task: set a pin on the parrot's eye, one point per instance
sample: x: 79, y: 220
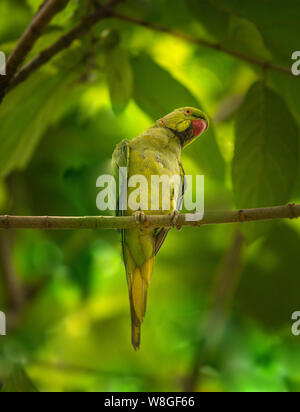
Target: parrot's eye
x: 188, y: 112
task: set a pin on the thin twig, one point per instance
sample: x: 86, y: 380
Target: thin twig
x: 33, y: 32
x: 205, y: 43
x: 62, y: 43
x: 108, y: 222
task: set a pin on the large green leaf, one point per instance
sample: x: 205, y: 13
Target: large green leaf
x: 265, y: 163
x: 289, y: 89
x: 118, y: 70
x: 277, y: 20
x: 229, y: 29
x: 158, y: 93
x: 28, y: 111
x: 18, y: 382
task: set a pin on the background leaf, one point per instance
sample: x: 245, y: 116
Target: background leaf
x: 118, y: 70
x: 265, y: 163
x: 18, y: 381
x: 119, y: 77
x: 23, y: 125
x: 229, y: 29
x: 276, y: 19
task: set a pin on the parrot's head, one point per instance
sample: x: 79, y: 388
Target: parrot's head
x: 186, y: 123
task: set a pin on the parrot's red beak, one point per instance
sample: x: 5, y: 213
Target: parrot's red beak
x: 199, y: 126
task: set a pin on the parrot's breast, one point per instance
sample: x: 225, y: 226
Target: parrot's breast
x: 148, y: 159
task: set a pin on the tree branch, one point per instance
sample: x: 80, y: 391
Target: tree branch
x: 33, y: 32
x: 62, y: 43
x: 290, y: 211
x: 265, y: 65
x: 105, y: 12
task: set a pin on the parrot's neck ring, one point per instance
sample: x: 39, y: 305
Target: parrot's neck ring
x: 185, y: 136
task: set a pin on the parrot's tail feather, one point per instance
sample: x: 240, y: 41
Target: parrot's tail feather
x: 138, y: 299
x: 147, y: 270
x: 136, y: 335
x: 138, y: 294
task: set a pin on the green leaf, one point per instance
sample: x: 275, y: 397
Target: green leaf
x: 23, y: 125
x: 265, y: 163
x: 28, y: 111
x: 289, y: 89
x: 18, y: 381
x: 119, y: 77
x: 158, y: 93
x: 277, y: 20
x: 215, y: 21
x: 230, y: 30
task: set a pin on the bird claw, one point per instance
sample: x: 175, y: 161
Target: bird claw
x: 174, y: 220
x: 140, y: 217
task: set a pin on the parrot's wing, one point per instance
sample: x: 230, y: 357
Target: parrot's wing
x: 183, y: 187
x: 163, y: 233
x: 121, y: 158
x: 136, y: 276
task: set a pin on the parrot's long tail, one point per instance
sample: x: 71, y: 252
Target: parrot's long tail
x: 138, y: 288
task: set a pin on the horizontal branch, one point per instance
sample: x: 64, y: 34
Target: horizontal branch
x: 265, y: 65
x: 62, y: 43
x: 108, y: 222
x: 33, y: 32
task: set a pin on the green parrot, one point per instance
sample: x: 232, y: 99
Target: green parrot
x: 156, y: 152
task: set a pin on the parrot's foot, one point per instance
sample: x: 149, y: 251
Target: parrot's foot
x: 174, y: 219
x: 140, y: 217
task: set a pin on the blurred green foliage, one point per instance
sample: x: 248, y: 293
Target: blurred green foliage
x: 58, y: 131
